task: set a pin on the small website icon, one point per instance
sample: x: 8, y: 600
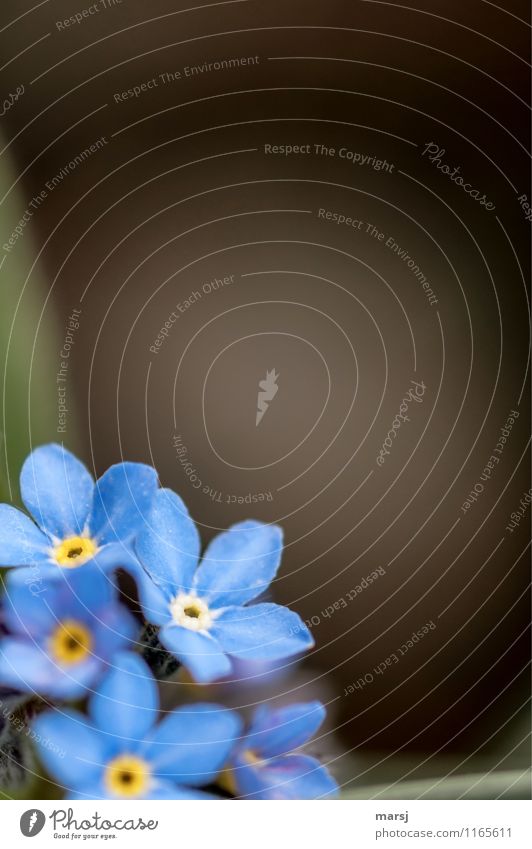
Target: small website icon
x: 32, y: 822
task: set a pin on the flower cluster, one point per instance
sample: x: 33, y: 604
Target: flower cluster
x: 69, y: 633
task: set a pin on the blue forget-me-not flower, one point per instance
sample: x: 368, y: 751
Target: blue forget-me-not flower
x: 63, y: 640
x: 263, y: 764
x: 121, y: 752
x: 76, y: 520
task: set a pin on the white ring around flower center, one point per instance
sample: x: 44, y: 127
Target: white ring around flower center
x: 191, y: 612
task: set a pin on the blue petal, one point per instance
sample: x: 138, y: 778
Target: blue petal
x: 261, y: 632
x: 89, y: 589
x: 71, y: 750
x: 275, y: 731
x: 286, y: 777
x: 29, y: 668
x: 239, y: 564
x: 199, y: 652
x: 122, y: 499
x: 158, y: 790
x: 57, y: 490
x: 23, y: 666
x: 127, y: 702
x: 27, y: 612
x: 81, y: 594
x: 38, y: 578
x: 112, y: 556
x: 115, y: 630
x: 78, y: 594
x: 96, y: 791
x: 72, y: 682
x: 21, y: 541
x: 167, y: 790
x: 169, y: 546
x: 192, y: 743
x: 154, y: 602
x: 107, y: 559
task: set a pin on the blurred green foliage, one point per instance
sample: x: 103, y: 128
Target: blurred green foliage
x: 503, y: 784
x: 29, y: 341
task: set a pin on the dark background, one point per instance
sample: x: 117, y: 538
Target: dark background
x: 183, y: 193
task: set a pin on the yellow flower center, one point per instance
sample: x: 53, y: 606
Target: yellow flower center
x: 251, y: 758
x: 70, y: 642
x: 127, y: 776
x: 75, y: 551
x: 227, y: 779
x: 191, y: 612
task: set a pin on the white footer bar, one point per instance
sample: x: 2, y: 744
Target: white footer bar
x: 268, y: 825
